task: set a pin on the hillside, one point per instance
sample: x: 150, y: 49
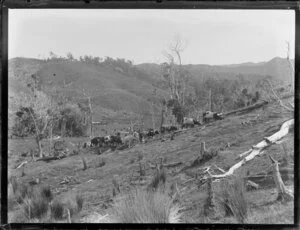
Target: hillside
x: 95, y: 183
x: 112, y: 91
x: 117, y: 96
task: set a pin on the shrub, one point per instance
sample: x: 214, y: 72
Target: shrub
x: 145, y: 207
x: 232, y: 198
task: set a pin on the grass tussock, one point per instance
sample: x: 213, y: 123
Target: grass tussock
x: 46, y: 193
x: 277, y: 213
x: 209, y: 154
x: 57, y: 210
x: 100, y: 163
x: 142, y: 206
x: 13, y: 181
x: 232, y: 198
x: 74, y: 203
x: 18, y: 193
x: 37, y: 205
x: 158, y: 180
x: 140, y: 156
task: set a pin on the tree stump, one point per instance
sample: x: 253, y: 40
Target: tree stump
x: 286, y: 156
x: 202, y: 150
x: 210, y: 202
x: 284, y: 194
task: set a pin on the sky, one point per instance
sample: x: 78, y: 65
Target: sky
x: 214, y: 37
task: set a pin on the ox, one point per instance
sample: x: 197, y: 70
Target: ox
x: 208, y: 116
x: 97, y: 141
x: 129, y: 140
x: 189, y: 122
x: 87, y: 144
x: 116, y: 139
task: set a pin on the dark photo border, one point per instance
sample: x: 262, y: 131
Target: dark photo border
x: 159, y: 4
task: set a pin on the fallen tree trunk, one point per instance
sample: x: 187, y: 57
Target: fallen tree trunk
x: 247, y: 109
x: 20, y: 165
x: 50, y: 158
x: 287, y: 95
x: 174, y: 164
x: 256, y: 150
x: 251, y: 185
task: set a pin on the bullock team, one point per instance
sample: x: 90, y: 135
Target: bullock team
x: 119, y: 141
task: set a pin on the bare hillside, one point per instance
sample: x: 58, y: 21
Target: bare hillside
x: 228, y: 137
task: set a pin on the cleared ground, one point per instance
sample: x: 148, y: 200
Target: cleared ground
x: 95, y: 183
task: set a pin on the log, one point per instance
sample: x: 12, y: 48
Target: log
x: 50, y: 158
x: 245, y: 153
x: 174, y: 164
x: 250, y: 184
x: 257, y: 149
x: 247, y: 109
x: 284, y: 194
x: 221, y: 170
x: 20, y: 165
x: 288, y: 95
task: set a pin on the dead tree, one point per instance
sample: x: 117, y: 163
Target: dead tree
x: 209, y: 101
x: 41, y: 108
x: 284, y: 194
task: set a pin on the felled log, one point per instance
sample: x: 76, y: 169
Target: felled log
x: 284, y: 194
x: 245, y: 153
x: 50, y: 158
x: 20, y: 165
x: 287, y: 95
x: 251, y: 185
x: 174, y: 164
x: 247, y: 109
x: 257, y: 149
